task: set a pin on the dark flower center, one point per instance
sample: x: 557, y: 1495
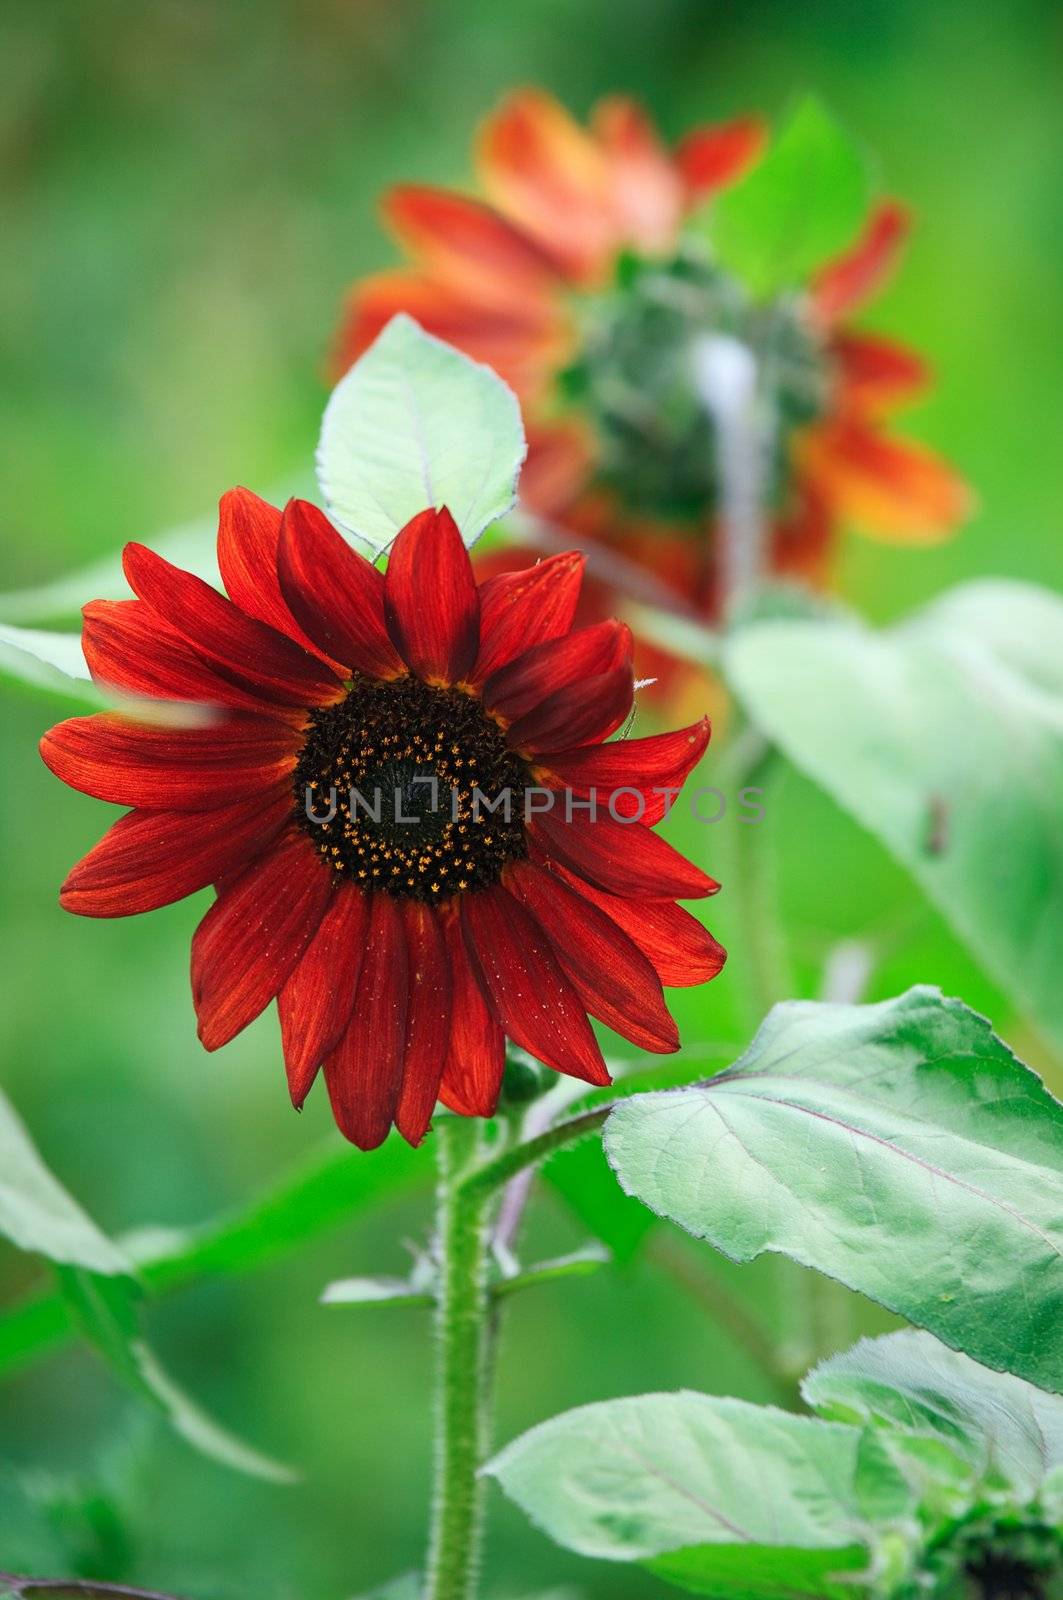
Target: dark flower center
x: 635, y: 376
x: 411, y: 789
x: 998, y: 1575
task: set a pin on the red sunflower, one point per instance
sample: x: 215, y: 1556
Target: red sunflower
x: 577, y: 278
x: 346, y: 801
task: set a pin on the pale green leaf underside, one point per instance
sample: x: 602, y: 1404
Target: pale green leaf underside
x: 900, y: 1148
x: 37, y: 1213
x: 628, y: 1480
x: 909, y: 1381
x: 944, y: 738
x: 414, y: 424
x: 46, y: 660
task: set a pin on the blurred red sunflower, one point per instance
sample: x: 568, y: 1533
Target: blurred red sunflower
x: 404, y: 937
x: 577, y: 279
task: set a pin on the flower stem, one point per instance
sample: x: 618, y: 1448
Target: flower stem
x: 462, y: 1357
x: 726, y: 375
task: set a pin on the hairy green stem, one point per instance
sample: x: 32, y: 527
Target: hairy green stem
x: 463, y: 1329
x: 495, y: 1174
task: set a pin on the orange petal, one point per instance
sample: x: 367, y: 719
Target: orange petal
x: 877, y: 374
x: 849, y: 280
x: 891, y: 488
x: 646, y: 190
x: 470, y: 246
x: 524, y: 344
x: 559, y: 465
x: 711, y: 158
x: 802, y: 538
x: 550, y: 176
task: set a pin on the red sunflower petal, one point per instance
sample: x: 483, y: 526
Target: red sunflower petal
x: 845, y: 283
x: 316, y: 1001
x: 129, y: 648
x: 248, y: 539
x: 364, y: 1072
x: 645, y: 188
x: 251, y: 938
x: 876, y: 373
x: 710, y: 158
x: 279, y: 668
x: 683, y: 952
x: 469, y: 244
x: 534, y: 676
x: 662, y: 762
x: 476, y: 1056
x: 152, y: 858
x: 529, y: 993
x: 427, y: 1021
x: 526, y: 608
x: 614, y: 980
x: 622, y: 858
x: 157, y: 768
x: 582, y: 712
x: 431, y: 601
x: 890, y: 488
x: 334, y: 593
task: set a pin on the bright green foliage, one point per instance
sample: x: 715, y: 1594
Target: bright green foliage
x: 944, y: 738
x: 899, y: 1147
x: 415, y: 424
x: 96, y: 1280
x: 330, y: 1189
x: 800, y: 205
x: 764, y: 1572
x: 106, y: 1309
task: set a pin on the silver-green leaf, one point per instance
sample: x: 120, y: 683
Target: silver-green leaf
x: 46, y: 659
x: 899, y: 1147
x: 414, y: 424
x: 37, y: 1213
x: 944, y: 738
x: 637, y: 1479
x: 910, y: 1382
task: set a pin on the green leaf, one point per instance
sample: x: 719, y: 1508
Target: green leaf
x: 632, y: 1480
x: 944, y: 738
x: 900, y: 1148
x: 909, y: 1382
x: 322, y: 1194
x: 37, y: 1213
x: 375, y: 1292
x: 581, y: 1176
x: 759, y: 1572
x: 46, y: 660
x: 578, y: 1264
x: 800, y: 205
x: 408, y: 1587
x: 106, y: 1310
x: 414, y: 424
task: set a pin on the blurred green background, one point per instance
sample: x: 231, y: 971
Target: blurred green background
x: 187, y: 189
